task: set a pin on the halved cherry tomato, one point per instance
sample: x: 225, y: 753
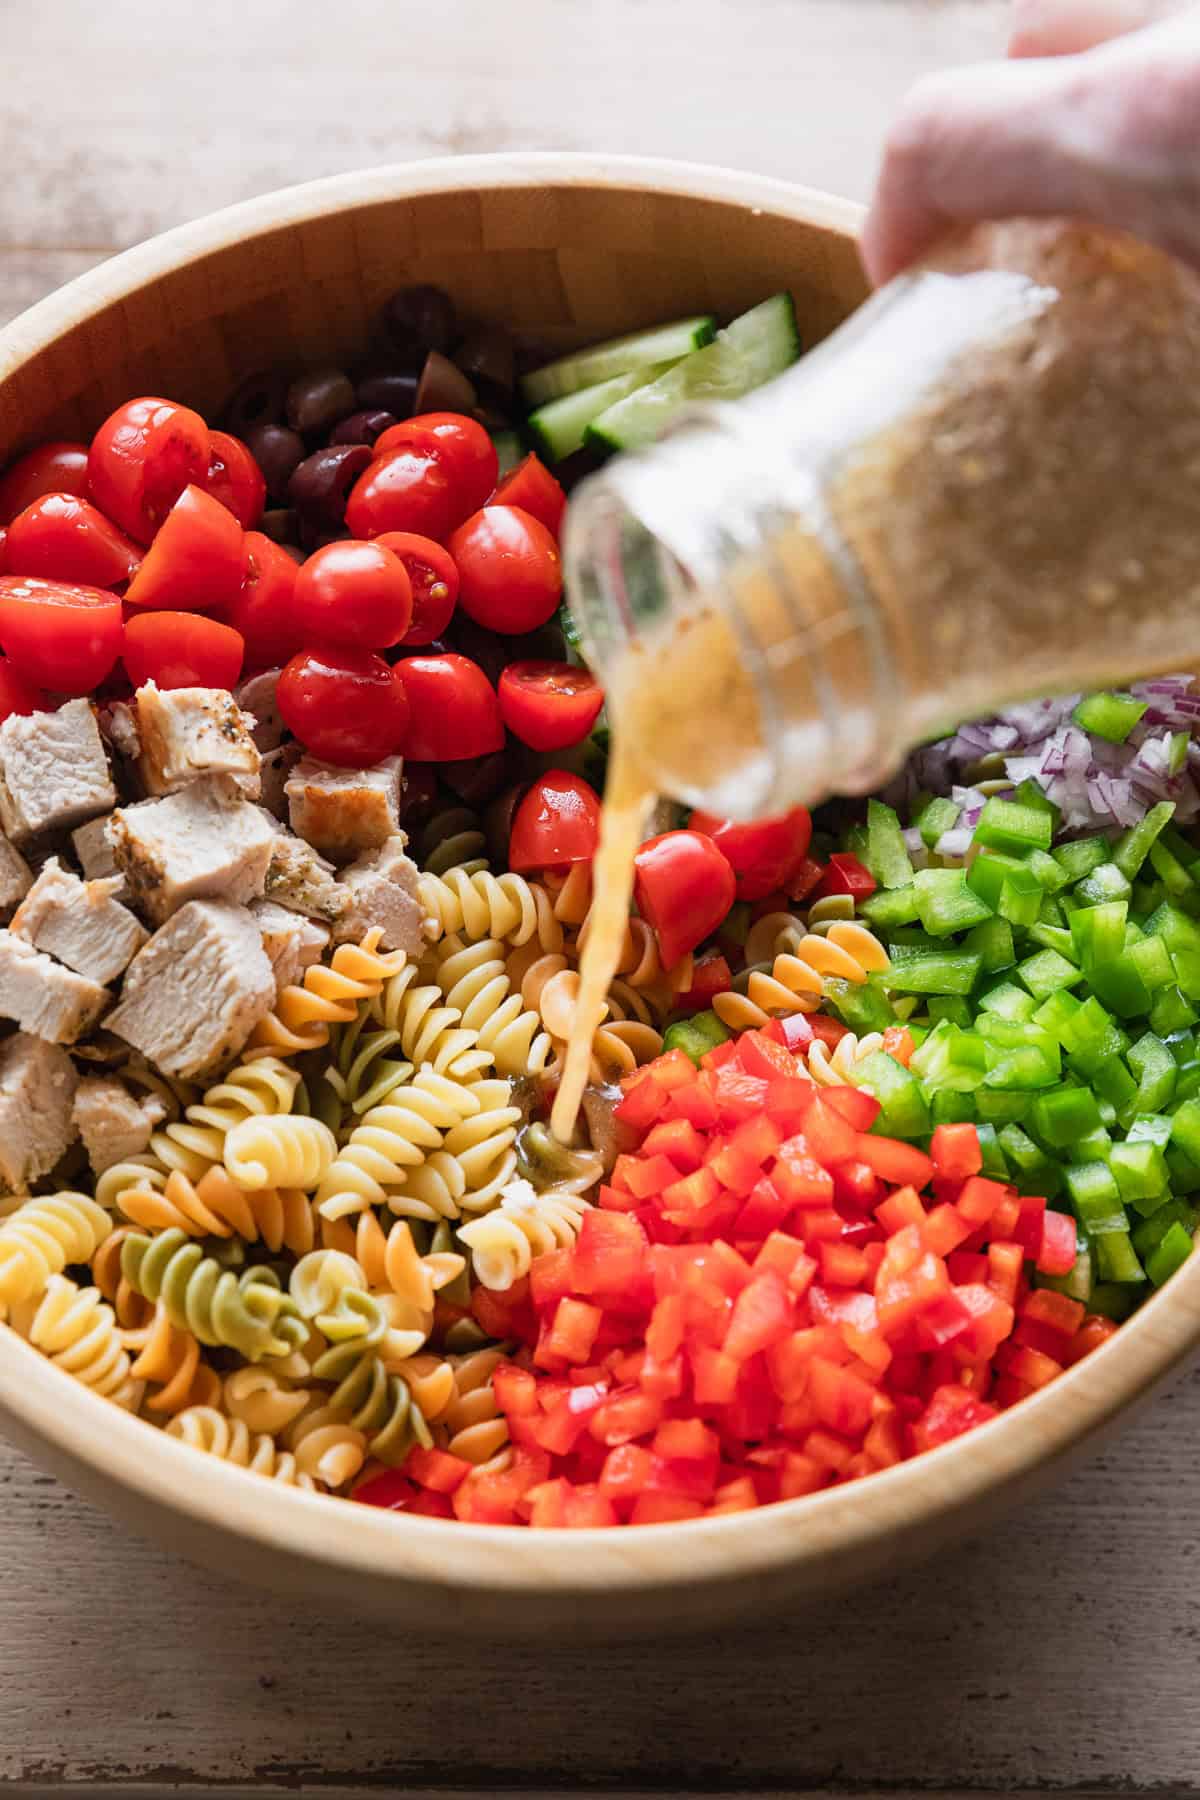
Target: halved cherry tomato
x: 60, y: 634
x: 454, y: 710
x: 533, y: 488
x: 65, y: 538
x: 16, y: 694
x: 353, y: 593
x: 263, y: 611
x: 762, y: 854
x: 549, y: 705
x: 683, y: 887
x: 57, y: 468
x: 557, y: 822
x: 410, y: 489
x: 142, y: 458
x: 461, y: 445
x: 509, y: 569
x: 177, y: 649
x: 346, y: 706
x: 433, y: 578
x: 196, y: 562
x: 235, y: 479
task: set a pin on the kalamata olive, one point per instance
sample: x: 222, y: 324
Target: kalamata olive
x: 497, y: 821
x: 257, y: 400
x: 419, y: 794
x: 277, y: 451
x: 421, y: 317
x: 362, y: 427
x: 477, y: 779
x: 493, y: 653
x: 442, y: 387
x: 487, y: 357
x: 278, y: 523
x: 296, y: 553
x: 317, y: 400
x: 388, y: 390
x: 320, y: 484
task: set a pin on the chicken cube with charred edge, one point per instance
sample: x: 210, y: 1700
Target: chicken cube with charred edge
x: 82, y: 923
x: 196, y: 990
x: 205, y: 841
x: 93, y: 849
x: 382, y: 886
x: 16, y: 877
x: 43, y: 997
x: 53, y: 771
x: 114, y: 1123
x: 37, y: 1089
x: 188, y: 732
x: 344, y: 811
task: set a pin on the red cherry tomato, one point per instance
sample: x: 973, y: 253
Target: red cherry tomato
x: 763, y: 855
x: 57, y: 468
x: 142, y: 458
x: 346, y: 706
x: 264, y: 612
x: 683, y: 887
x: 433, y: 579
x: 59, y: 634
x: 461, y: 445
x: 549, y: 705
x: 533, y: 488
x: 454, y: 711
x: 16, y: 695
x: 66, y: 539
x: 409, y: 490
x: 3, y: 549
x: 710, y: 976
x: 353, y: 593
x: 178, y: 649
x: 235, y: 479
x: 557, y: 822
x: 509, y: 570
x: 197, y: 561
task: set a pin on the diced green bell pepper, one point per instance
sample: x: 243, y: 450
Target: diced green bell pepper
x: 1170, y: 871
x: 1141, y: 1172
x: 695, y: 1036
x: 1185, y: 1130
x: 859, y: 1005
x: 1033, y: 1171
x: 1006, y: 825
x: 1147, y: 1233
x: 995, y: 1163
x: 904, y: 1110
x: 1134, y: 846
x: 1152, y: 960
x: 948, y: 1106
x: 1002, y: 1106
x: 1083, y: 855
x: 1096, y: 1199
x: 935, y: 817
x: 1171, y: 1013
x: 992, y: 942
x: 890, y: 907
x: 887, y: 856
x: 1065, y: 1114
x: 931, y: 972
x: 950, y: 1006
x: 1102, y: 885
x: 1046, y: 972
x: 1156, y: 1070
x: 1008, y: 1001
x: 1116, y: 1259
x: 1099, y: 932
x: 1119, y: 985
x: 946, y: 904
x: 1171, y: 1252
x: 1109, y: 716
x: 1030, y: 794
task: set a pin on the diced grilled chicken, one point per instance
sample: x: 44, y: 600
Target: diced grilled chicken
x: 43, y: 997
x: 257, y: 698
x: 301, y: 880
x: 343, y: 811
x: 16, y: 877
x: 291, y: 941
x: 277, y: 766
x: 382, y: 889
x: 188, y: 732
x: 119, y: 727
x: 114, y: 1123
x: 203, y: 841
x: 93, y: 847
x: 195, y: 992
x: 53, y: 771
x: 37, y: 1088
x: 80, y: 922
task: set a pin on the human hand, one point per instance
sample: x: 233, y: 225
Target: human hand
x: 1081, y: 124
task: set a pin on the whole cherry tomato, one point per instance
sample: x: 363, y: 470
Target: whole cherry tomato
x: 764, y: 854
x: 177, y: 649
x: 433, y: 579
x: 263, y: 611
x: 235, y: 479
x: 66, y: 539
x: 142, y: 458
x: 683, y: 887
x: 197, y: 562
x: 59, y: 634
x: 16, y: 694
x: 557, y: 822
x: 534, y: 489
x: 549, y: 705
x: 346, y: 706
x: 408, y: 490
x: 461, y: 445
x: 454, y: 710
x: 509, y: 569
x: 354, y: 593
x: 57, y: 468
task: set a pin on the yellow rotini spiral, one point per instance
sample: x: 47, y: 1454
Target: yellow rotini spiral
x: 262, y: 1401
x: 458, y: 1403
x: 328, y: 995
x: 796, y: 980
x: 257, y: 1089
x: 76, y: 1328
x: 46, y: 1234
x: 640, y: 964
x: 171, y: 1357
x: 431, y: 1191
x: 280, y: 1153
x: 215, y: 1206
x: 207, y: 1428
x: 432, y: 1034
x: 835, y: 1068
x: 525, y: 1224
x: 133, y: 1310
x: 393, y: 1138
x: 483, y: 1145
x: 474, y: 980
x: 145, y: 1171
x: 620, y: 1043
x: 570, y: 894
x: 477, y: 904
x: 326, y: 1447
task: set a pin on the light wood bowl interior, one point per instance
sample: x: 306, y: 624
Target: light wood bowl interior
x: 564, y: 249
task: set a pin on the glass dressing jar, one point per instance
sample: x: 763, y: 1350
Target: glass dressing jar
x: 985, y: 485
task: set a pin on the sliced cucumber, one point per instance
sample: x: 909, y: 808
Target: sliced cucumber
x: 509, y: 451
x: 584, y: 368
x: 558, y: 428
x: 752, y: 350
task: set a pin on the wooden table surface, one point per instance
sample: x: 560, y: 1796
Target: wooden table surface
x: 1064, y: 1652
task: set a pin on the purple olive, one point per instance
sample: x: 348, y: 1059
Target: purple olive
x: 277, y: 451
x: 421, y: 318
x: 278, y: 523
x: 257, y: 400
x: 362, y: 427
x: 442, y: 387
x: 487, y: 357
x: 388, y: 390
x: 321, y: 483
x: 419, y: 793
x: 319, y: 399
x: 478, y: 779
x: 497, y: 821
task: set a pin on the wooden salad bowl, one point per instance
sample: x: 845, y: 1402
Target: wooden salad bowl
x: 565, y: 249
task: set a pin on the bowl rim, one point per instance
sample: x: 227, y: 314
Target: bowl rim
x: 85, y: 1428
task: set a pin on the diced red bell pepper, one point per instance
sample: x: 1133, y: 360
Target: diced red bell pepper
x: 664, y: 1509
x: 859, y: 1108
x: 679, y: 1141
x: 759, y: 1053
x: 1028, y: 1228
x: 1033, y: 1367
x: 944, y: 1229
x: 664, y: 1332
x: 714, y: 1375
x: 609, y: 1254
x: 642, y: 1101
x: 551, y: 1278
x: 1005, y: 1263
x: 979, y: 1199
x: 1057, y: 1313
x: 954, y: 1151
x: 844, y: 874
x: 894, y: 1161
x: 626, y: 1472
x: 991, y: 1318
x: 436, y: 1469
x: 799, y: 1177
x: 625, y: 1417
x: 1057, y: 1251
x: 574, y: 1330
x: 951, y: 1411
x: 898, y: 1042
x: 710, y: 976
x: 842, y: 1265
x: 830, y: 1031
x: 796, y: 1031
x: 738, y: 1095
x: 696, y: 1105
x: 762, y: 1314
x: 829, y: 1137
x: 900, y: 1209
x: 842, y: 1400
x: 1094, y: 1332
x: 515, y: 1389
x: 764, y: 1211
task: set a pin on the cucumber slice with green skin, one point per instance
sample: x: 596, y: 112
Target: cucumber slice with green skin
x: 752, y: 350
x: 509, y: 451
x: 619, y: 356
x: 559, y: 428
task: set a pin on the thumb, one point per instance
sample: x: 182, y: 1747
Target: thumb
x: 1063, y: 27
